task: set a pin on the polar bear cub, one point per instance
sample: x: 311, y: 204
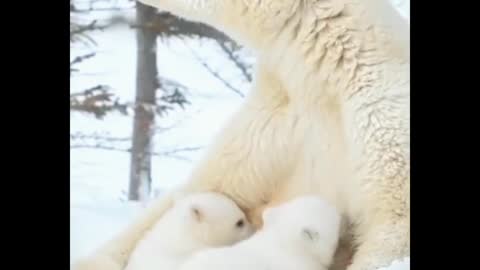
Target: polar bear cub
x: 300, y: 234
x: 195, y: 222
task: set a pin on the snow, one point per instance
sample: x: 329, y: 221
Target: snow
x: 91, y: 225
x: 403, y: 264
x: 403, y: 7
x: 99, y: 178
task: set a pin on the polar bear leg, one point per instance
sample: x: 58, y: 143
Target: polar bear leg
x: 386, y: 242
x: 379, y: 142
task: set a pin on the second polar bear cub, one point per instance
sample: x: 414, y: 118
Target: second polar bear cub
x: 195, y: 222
x: 300, y: 234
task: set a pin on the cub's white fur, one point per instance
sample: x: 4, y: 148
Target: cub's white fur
x: 195, y: 222
x: 300, y: 234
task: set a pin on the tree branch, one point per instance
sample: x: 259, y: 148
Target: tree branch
x: 78, y: 60
x: 76, y: 29
x: 216, y: 75
x: 80, y: 136
x: 240, y: 65
x: 167, y: 25
x: 174, y: 153
x: 90, y: 9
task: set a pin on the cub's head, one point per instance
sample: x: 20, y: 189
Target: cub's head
x: 308, y: 223
x: 213, y: 219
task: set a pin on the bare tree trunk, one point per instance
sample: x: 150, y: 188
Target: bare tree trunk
x: 147, y: 84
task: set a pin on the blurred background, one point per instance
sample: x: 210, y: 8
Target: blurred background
x: 148, y: 93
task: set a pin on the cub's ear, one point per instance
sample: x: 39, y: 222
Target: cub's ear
x: 196, y: 213
x: 310, y: 235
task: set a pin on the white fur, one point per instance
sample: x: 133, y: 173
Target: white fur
x: 195, y: 222
x: 328, y: 114
x: 300, y: 234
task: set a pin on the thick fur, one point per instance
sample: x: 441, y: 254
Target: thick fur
x: 300, y: 234
x: 195, y: 222
x: 328, y: 114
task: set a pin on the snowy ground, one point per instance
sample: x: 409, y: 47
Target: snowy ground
x: 99, y: 178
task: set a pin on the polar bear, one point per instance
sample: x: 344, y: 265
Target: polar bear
x: 329, y: 113
x: 300, y: 234
x: 195, y: 222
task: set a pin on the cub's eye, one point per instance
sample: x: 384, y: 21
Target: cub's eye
x: 240, y: 223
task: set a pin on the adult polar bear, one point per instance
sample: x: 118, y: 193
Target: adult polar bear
x: 329, y: 114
